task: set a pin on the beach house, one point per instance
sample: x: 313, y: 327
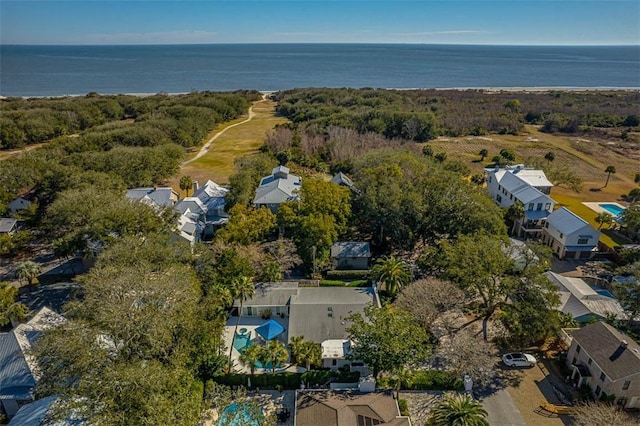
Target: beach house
x: 570, y: 236
x: 280, y: 186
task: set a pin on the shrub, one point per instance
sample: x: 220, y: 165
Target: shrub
x: 359, y: 283
x: 358, y: 274
x: 331, y: 283
x: 403, y: 406
x: 428, y: 380
x: 265, y: 381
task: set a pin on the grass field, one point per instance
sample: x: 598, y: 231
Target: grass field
x: 218, y: 163
x: 586, y: 158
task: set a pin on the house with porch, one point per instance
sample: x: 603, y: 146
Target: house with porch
x: 316, y: 313
x: 155, y: 196
x: 570, y: 236
x: 531, y: 188
x: 277, y: 188
x: 18, y: 369
x: 608, y: 361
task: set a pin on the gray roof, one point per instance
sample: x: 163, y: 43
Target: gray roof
x: 276, y: 190
x: 164, y: 197
x: 578, y: 299
x: 35, y: 414
x: 602, y: 342
x: 521, y: 189
x: 318, y: 313
x: 568, y: 222
x: 272, y: 294
x: 350, y: 249
x: 342, y: 179
x: 16, y: 365
x: 7, y: 224
x: 16, y: 380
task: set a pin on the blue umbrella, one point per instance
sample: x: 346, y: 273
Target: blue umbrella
x: 270, y: 330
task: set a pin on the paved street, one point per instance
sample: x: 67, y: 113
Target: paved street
x: 502, y: 410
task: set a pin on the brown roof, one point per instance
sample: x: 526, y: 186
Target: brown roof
x: 603, y: 344
x: 342, y: 408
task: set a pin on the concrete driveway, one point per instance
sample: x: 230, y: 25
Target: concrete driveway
x: 501, y: 408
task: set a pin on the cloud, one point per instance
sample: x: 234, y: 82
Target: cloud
x: 166, y: 37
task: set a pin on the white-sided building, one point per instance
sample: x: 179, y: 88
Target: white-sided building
x: 529, y: 186
x: 570, y: 236
x: 203, y: 212
x: 280, y: 186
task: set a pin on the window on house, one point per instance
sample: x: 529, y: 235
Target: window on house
x: 626, y: 385
x: 539, y: 206
x: 531, y: 206
x: 578, y: 349
x: 499, y: 187
x: 249, y: 311
x: 590, y: 361
x: 561, y: 235
x: 598, y: 390
x: 499, y: 198
x: 547, y: 206
x: 546, y: 225
x: 511, y: 196
x: 574, y: 360
x: 583, y: 240
x: 602, y: 376
x: 334, y: 362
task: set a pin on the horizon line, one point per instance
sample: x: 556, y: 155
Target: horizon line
x: 323, y: 43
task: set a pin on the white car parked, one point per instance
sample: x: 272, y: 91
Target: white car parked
x: 518, y: 359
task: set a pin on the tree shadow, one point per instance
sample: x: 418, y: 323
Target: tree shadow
x: 595, y: 189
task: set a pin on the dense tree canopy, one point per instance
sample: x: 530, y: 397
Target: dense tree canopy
x: 387, y: 339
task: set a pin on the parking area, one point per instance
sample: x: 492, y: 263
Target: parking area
x: 533, y: 387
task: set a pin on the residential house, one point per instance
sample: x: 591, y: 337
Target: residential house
x: 205, y: 208
x: 160, y: 197
x: 531, y: 188
x: 20, y: 203
x: 8, y: 225
x: 277, y: 188
x: 350, y: 255
x: 582, y: 302
x: 570, y: 236
x: 608, y: 361
x: 317, y: 313
x: 17, y: 367
x: 347, y: 408
x: 344, y: 180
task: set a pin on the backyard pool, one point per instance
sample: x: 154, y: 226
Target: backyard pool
x: 241, y: 414
x: 614, y: 209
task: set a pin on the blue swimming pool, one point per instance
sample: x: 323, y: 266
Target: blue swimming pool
x: 241, y: 414
x: 614, y: 209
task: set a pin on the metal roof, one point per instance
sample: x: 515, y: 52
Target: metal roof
x: 350, y: 249
x: 7, y: 224
x: 16, y: 380
x: 164, y: 197
x: 568, y: 222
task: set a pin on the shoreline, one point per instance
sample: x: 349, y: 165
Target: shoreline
x: 488, y: 89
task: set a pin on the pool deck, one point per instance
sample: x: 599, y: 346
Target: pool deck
x: 598, y: 209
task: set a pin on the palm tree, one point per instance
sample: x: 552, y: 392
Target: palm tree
x: 185, y: 184
x: 28, y: 271
x: 483, y: 154
x: 603, y: 218
x: 400, y: 377
x: 251, y: 355
x: 309, y: 353
x: 549, y: 156
x: 514, y: 213
x: 610, y: 170
x: 296, y: 347
x: 392, y: 272
x: 275, y: 353
x: 242, y: 290
x: 459, y: 410
x: 9, y: 308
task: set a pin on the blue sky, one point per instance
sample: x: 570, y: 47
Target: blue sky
x: 556, y: 22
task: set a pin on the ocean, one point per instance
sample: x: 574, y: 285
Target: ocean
x: 77, y: 70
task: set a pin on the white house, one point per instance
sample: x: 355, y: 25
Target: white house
x: 17, y: 367
x: 531, y: 188
x: 277, y: 188
x: 570, y: 236
x: 582, y: 302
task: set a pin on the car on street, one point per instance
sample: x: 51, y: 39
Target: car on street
x: 519, y: 359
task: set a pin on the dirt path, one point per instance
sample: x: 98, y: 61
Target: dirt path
x: 205, y: 148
